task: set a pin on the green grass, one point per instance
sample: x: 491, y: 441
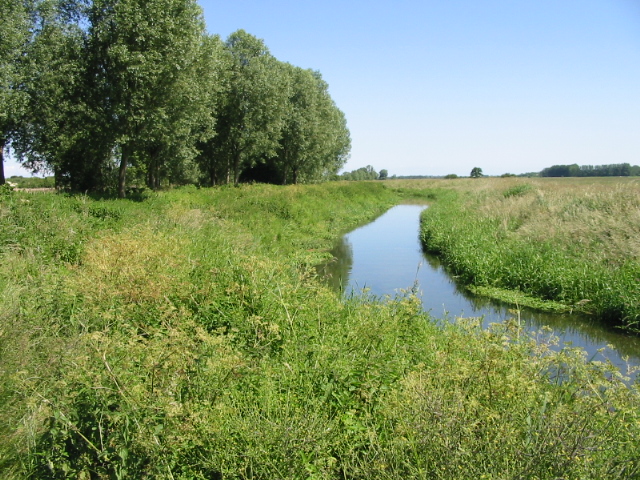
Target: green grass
x: 186, y: 336
x: 551, y: 244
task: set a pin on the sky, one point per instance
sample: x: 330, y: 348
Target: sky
x: 439, y: 87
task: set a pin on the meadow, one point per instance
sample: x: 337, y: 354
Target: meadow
x: 184, y: 335
x: 556, y: 244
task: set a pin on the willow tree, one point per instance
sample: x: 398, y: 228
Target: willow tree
x: 14, y: 36
x: 298, y: 143
x: 54, y: 129
x: 314, y: 141
x: 332, y: 140
x: 142, y: 57
x: 214, y: 78
x: 250, y: 112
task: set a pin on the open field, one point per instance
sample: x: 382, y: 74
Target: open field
x: 183, y: 335
x: 574, y: 243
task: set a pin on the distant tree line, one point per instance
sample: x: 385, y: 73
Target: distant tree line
x: 365, y: 173
x: 111, y: 93
x: 613, y: 170
x: 30, y: 182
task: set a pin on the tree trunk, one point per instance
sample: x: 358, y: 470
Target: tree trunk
x: 153, y: 168
x: 212, y: 176
x: 2, y: 179
x: 122, y: 173
x: 151, y: 180
x: 285, y: 166
x: 157, y: 176
x: 236, y: 169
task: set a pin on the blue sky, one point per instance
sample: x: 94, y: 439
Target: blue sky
x: 437, y: 87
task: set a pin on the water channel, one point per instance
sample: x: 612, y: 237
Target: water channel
x: 385, y: 257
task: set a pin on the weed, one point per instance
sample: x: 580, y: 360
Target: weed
x: 187, y: 337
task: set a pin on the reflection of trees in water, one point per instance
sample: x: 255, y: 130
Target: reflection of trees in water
x: 336, y: 271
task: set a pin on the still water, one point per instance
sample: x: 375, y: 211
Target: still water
x: 385, y: 258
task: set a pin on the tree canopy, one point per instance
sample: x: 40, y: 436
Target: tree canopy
x: 476, y: 172
x: 14, y: 35
x: 118, y: 93
x: 363, y: 173
x: 574, y: 170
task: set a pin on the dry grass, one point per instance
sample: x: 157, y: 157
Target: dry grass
x: 570, y: 240
x: 597, y: 215
x: 132, y: 266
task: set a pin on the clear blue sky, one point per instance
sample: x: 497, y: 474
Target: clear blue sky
x: 436, y: 87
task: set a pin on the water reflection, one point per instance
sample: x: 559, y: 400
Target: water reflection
x: 385, y: 257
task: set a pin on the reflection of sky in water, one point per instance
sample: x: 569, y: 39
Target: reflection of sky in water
x: 385, y: 257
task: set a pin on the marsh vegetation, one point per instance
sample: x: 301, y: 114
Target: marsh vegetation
x: 572, y: 243
x: 184, y: 334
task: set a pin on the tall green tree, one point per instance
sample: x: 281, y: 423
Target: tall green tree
x: 362, y: 173
x: 214, y: 74
x: 142, y: 54
x: 476, y: 172
x: 335, y: 138
x: 314, y: 141
x: 300, y: 126
x: 15, y: 28
x: 55, y: 131
x: 250, y: 113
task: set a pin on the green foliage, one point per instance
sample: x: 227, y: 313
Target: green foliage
x: 32, y: 182
x: 14, y: 34
x: 250, y: 114
x: 517, y: 190
x: 509, y: 241
x: 451, y: 176
x: 613, y: 170
x: 108, y: 98
x: 363, y: 173
x: 6, y: 190
x: 151, y: 122
x: 189, y: 338
x: 314, y: 141
x: 476, y: 172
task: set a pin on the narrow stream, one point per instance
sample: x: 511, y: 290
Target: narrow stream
x: 385, y: 257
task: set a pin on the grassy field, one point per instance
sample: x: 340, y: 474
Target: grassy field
x: 184, y: 335
x: 574, y: 243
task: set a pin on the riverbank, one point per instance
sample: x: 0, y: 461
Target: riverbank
x: 555, y: 244
x: 184, y: 335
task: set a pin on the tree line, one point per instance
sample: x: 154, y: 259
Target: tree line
x: 111, y: 93
x: 365, y: 173
x: 575, y: 170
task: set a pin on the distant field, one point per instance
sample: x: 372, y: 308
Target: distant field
x: 32, y: 182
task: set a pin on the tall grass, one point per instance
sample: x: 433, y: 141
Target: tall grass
x: 572, y: 242
x: 187, y: 337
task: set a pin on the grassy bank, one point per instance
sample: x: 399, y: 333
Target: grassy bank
x: 184, y: 335
x: 573, y: 243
